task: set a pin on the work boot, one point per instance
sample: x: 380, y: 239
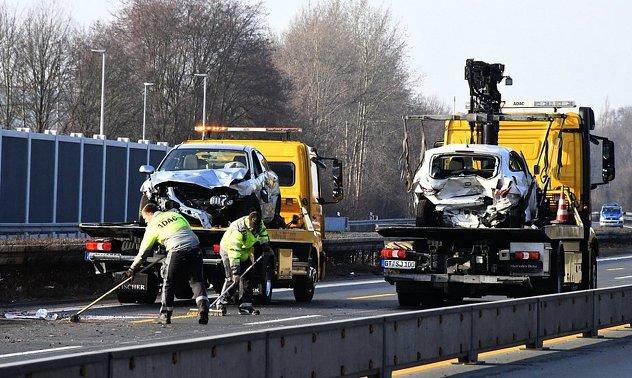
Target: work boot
x: 164, y: 318
x: 247, y: 309
x: 203, y: 311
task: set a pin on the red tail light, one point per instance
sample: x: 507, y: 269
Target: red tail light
x: 216, y: 249
x: 92, y: 245
x: 393, y: 253
x: 526, y: 255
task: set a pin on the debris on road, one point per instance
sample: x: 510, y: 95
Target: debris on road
x: 41, y: 314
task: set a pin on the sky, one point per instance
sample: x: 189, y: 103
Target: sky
x: 554, y: 50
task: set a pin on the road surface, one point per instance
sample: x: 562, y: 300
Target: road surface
x: 113, y: 325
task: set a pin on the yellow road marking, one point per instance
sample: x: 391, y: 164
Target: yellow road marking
x: 612, y: 269
x: 372, y: 296
x: 187, y: 316
x: 417, y: 369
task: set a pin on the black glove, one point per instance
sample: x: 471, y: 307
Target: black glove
x: 131, y: 271
x: 266, y: 249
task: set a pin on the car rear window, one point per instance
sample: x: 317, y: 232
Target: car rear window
x: 285, y: 171
x: 455, y: 165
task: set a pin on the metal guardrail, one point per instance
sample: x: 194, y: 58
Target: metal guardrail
x: 373, y: 346
x: 38, y: 228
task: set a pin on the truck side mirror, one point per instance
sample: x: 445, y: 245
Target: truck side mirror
x: 607, y: 155
x: 147, y: 169
x: 587, y: 116
x: 338, y: 190
x: 264, y: 196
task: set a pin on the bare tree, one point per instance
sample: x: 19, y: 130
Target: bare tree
x: 9, y: 63
x: 615, y: 125
x: 44, y: 43
x: 351, y: 86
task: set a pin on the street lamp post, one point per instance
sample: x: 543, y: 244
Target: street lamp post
x: 203, y: 104
x: 145, y: 106
x: 102, y: 52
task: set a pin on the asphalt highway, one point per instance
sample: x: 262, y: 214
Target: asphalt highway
x: 111, y: 324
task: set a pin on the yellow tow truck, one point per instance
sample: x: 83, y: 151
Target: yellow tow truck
x: 463, y: 244
x: 299, y: 259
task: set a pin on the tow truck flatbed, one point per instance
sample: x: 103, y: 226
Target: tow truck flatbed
x: 463, y: 234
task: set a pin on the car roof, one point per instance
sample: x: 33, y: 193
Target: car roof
x: 473, y: 148
x: 611, y: 204
x: 209, y: 146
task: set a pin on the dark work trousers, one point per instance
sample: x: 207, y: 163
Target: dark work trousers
x: 245, y: 287
x: 178, y: 265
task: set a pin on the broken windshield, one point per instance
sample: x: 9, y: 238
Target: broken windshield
x: 187, y: 159
x: 454, y: 165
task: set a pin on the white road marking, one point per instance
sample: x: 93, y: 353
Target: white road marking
x: 338, y: 284
x: 117, y: 317
x: 353, y: 283
x: 372, y: 296
x: 284, y: 319
x: 612, y: 269
x: 616, y: 258
x: 622, y: 277
x: 39, y: 351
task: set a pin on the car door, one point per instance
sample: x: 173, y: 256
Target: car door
x: 523, y: 178
x: 261, y: 176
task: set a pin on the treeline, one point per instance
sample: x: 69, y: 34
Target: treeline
x: 615, y: 124
x: 340, y: 71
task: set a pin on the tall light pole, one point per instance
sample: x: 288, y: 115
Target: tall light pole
x: 203, y: 104
x: 102, y: 52
x: 145, y: 105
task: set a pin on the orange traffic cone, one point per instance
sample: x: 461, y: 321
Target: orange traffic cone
x: 562, y: 209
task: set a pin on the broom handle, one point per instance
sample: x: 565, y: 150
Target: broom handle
x: 223, y: 293
x: 117, y: 286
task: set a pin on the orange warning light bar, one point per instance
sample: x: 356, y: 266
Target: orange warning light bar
x: 261, y: 129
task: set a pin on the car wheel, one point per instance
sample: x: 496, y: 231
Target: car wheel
x: 424, y: 213
x: 408, y: 299
x: 143, y: 201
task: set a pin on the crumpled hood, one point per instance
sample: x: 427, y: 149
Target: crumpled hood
x: 206, y: 178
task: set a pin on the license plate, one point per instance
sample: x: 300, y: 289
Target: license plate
x: 398, y: 264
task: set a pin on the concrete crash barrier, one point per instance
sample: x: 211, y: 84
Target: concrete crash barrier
x: 371, y: 346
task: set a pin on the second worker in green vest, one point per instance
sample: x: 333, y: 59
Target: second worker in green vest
x: 236, y: 247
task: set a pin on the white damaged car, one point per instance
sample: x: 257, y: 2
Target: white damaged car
x: 213, y: 184
x: 473, y: 186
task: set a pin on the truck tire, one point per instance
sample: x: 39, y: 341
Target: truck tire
x: 424, y: 213
x: 217, y: 284
x: 432, y: 300
x: 408, y: 299
x: 266, y: 285
x: 304, y: 286
x: 183, y: 290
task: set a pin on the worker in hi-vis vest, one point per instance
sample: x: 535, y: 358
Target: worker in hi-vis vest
x: 236, y: 248
x: 184, y: 258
